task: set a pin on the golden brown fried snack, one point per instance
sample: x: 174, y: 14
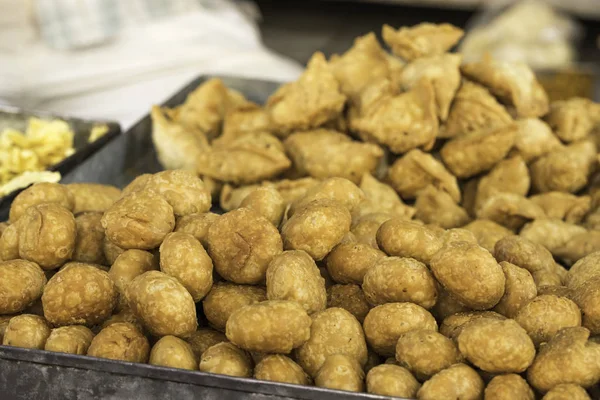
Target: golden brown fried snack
x: 444, y: 74
x: 172, y: 352
x: 93, y: 196
x: 520, y: 289
x: 564, y: 170
x: 395, y: 280
x: 111, y: 251
x: 458, y: 235
x: 231, y: 198
x: 377, y: 118
x: 583, y: 271
x: 426, y: 352
x: 183, y: 257
x: 348, y: 262
x: 349, y: 297
x: 27, y: 331
x: 421, y: 40
x: 587, y: 298
x: 266, y: 201
x: 293, y: 275
x: 470, y: 273
x: 473, y: 109
x: 510, y: 210
x: 535, y: 139
x: 246, y: 118
x: 508, y: 387
x: 478, y: 151
x: 551, y: 233
x: 120, y: 341
x: 153, y: 295
x: 547, y: 314
x: 333, y: 331
x: 365, y: 228
x: 241, y: 244
x: 73, y: 339
x: 446, y: 305
x: 384, y: 324
x: 226, y: 359
x: 21, y: 283
x: 569, y: 357
x: 196, y: 225
x: 89, y: 245
x: 381, y: 198
x: 510, y: 175
x: 225, y: 298
x: 513, y: 82
x: 339, y: 189
x: 325, y: 154
x: 279, y: 368
x: 456, y: 382
x: 127, y: 266
x: 392, y: 380
x: 487, y: 232
x: 573, y: 119
x: 125, y: 315
x: 397, y: 237
x: 204, y: 338
x: 309, y: 102
x: 578, y: 246
x: 478, y: 342
x: 247, y: 159
x: 437, y: 207
x: 524, y: 253
x: 565, y: 206
x: 316, y: 228
x: 40, y: 193
x: 566, y: 391
x: 293, y: 189
x: 341, y: 372
x: 272, y: 326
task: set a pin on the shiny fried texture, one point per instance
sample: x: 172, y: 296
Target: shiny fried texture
x: 196, y: 225
x: 279, y: 368
x: 341, y: 372
x: 349, y: 297
x: 127, y: 266
x: 120, y: 341
x: 341, y: 190
x: 73, y: 339
x: 349, y: 262
x: 266, y: 201
x: 226, y: 359
x: 381, y: 198
x: 27, y: 331
x: 392, y: 380
x: 436, y: 207
x: 41, y: 193
x: 401, y: 238
x: 21, y: 283
x: 92, y: 197
x: 204, y: 338
x: 89, y: 244
x: 566, y: 391
x: 519, y: 290
x: 457, y: 382
x: 508, y: 387
x: 172, y: 352
x: 426, y: 352
x: 421, y: 40
x: 225, y: 298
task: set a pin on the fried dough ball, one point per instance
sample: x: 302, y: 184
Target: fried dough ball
x: 583, y: 271
x: 392, y: 380
x: 120, y: 341
x: 569, y: 357
x: 436, y: 207
x: 9, y: 243
x: 279, y: 368
x: 4, y: 320
x: 40, y: 193
x: 535, y: 139
x: 453, y: 325
x: 565, y: 206
x: 47, y: 234
x: 245, y: 118
x: 89, y: 245
x: 21, y: 283
x: 395, y: 279
x: 341, y: 372
x: 564, y: 170
x: 226, y: 359
x: 578, y: 246
x: 478, y: 151
x: 384, y: 324
x: 127, y: 266
x: 519, y: 290
x: 481, y: 283
x: 293, y: 275
x: 111, y: 251
x: 172, y: 352
x: 573, y: 119
x: 508, y: 387
x: 140, y: 220
x: 93, y: 197
x: 196, y: 225
x: 316, y: 228
x: 421, y: 40
x: 333, y: 331
x: 79, y: 294
x: 487, y: 232
x: 272, y: 326
x: 566, y: 391
x: 426, y: 352
x: 27, y: 331
x: 402, y: 238
x: 510, y: 175
x: 446, y: 305
x: 136, y: 185
x: 266, y: 201
x: 204, y: 338
x: 183, y: 257
x: 587, y: 298
x: 73, y: 339
x: 125, y: 315
x: 153, y: 296
x: 349, y: 297
x: 349, y: 262
x: 231, y: 198
x: 338, y: 189
x: 241, y: 244
x: 545, y: 315
x: 497, y: 346
x: 225, y: 298
x: 365, y: 228
x: 456, y: 382
x: 381, y: 198
x: 526, y: 254
x: 325, y: 154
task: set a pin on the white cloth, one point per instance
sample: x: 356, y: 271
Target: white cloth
x: 142, y: 62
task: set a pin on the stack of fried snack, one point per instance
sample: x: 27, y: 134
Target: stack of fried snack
x: 395, y: 223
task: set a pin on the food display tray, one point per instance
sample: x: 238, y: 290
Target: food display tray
x: 35, y: 374
x: 17, y: 118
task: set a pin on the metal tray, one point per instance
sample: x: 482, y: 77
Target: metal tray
x: 12, y: 117
x: 36, y: 374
